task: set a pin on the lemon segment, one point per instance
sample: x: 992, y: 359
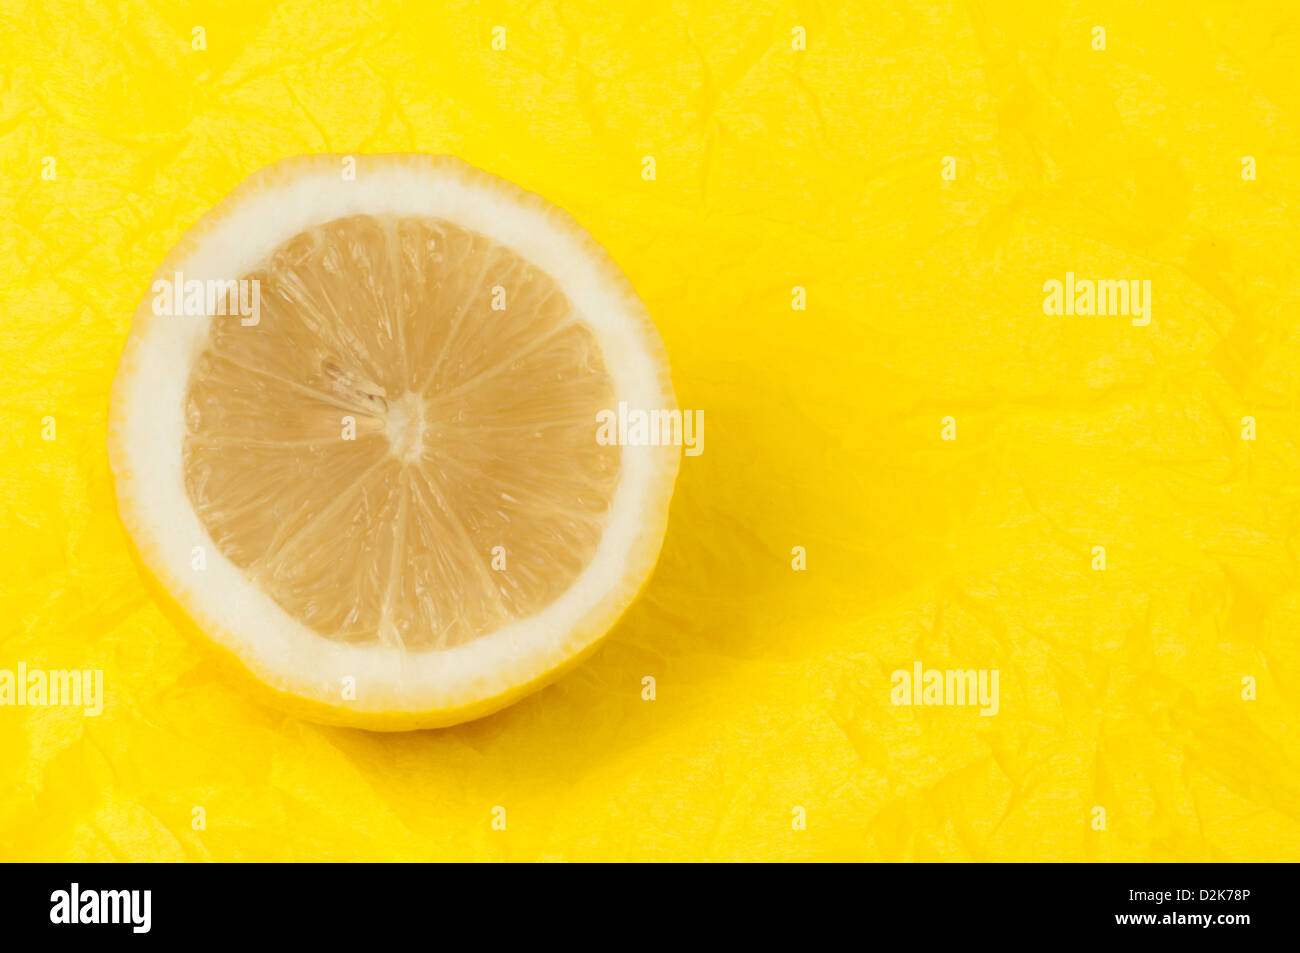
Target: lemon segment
x: 382, y: 491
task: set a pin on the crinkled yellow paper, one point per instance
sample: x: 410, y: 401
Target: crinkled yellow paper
x: 771, y: 734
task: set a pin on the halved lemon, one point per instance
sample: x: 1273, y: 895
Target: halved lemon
x: 375, y: 478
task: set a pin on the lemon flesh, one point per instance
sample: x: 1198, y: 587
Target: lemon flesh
x: 401, y: 449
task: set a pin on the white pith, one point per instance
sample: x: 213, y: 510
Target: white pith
x: 150, y: 429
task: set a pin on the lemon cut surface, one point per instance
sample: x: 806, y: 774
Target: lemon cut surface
x: 380, y: 489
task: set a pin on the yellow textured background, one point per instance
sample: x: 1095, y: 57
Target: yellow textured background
x: 776, y: 168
